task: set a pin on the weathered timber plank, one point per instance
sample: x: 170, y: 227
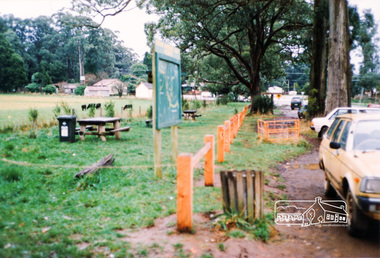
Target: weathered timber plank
x: 107, y: 161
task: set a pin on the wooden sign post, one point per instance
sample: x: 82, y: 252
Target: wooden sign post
x: 167, y: 106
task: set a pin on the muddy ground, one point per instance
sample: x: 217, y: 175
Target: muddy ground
x: 303, y: 181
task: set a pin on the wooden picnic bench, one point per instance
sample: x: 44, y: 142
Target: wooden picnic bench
x: 86, y: 127
x: 190, y: 114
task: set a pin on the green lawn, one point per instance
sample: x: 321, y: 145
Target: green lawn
x: 14, y: 107
x: 45, y: 211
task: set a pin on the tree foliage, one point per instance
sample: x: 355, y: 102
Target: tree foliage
x: 369, y: 68
x: 12, y: 72
x: 246, y: 36
x: 54, y: 48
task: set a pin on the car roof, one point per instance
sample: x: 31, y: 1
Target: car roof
x: 361, y: 116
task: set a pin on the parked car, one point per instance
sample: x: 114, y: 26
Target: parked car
x: 302, y: 112
x: 349, y: 154
x: 296, y: 102
x: 321, y: 124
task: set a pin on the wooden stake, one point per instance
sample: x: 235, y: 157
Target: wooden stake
x: 220, y: 143
x: 209, y: 161
x: 174, y: 143
x: 184, y: 193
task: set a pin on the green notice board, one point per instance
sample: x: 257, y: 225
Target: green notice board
x: 167, y: 85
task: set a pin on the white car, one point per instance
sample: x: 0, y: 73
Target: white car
x: 321, y: 124
x: 349, y: 154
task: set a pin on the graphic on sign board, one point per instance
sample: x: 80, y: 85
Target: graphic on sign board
x: 168, y: 85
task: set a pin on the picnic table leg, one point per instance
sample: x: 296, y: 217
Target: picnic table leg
x: 116, y: 125
x: 102, y: 131
x: 82, y: 131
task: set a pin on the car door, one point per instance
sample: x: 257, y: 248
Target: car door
x: 332, y: 162
x: 342, y: 157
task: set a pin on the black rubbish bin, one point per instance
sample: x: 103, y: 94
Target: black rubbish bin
x: 67, y: 128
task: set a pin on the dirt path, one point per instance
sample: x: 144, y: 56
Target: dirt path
x: 304, y: 181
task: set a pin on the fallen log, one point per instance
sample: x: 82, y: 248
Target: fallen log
x: 107, y: 161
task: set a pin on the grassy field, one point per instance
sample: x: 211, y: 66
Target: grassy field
x: 14, y: 107
x: 45, y: 211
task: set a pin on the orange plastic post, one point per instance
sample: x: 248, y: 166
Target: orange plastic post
x: 209, y: 161
x: 220, y: 143
x: 227, y: 125
x: 232, y: 130
x: 184, y: 193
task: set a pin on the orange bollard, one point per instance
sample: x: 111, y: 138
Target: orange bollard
x: 220, y: 143
x: 184, y: 193
x: 209, y: 161
x: 227, y: 125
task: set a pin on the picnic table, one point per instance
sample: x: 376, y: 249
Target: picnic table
x: 86, y: 127
x: 190, y: 114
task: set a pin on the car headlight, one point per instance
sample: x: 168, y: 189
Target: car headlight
x: 370, y: 185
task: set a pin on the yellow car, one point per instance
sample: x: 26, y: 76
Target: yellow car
x: 350, y: 156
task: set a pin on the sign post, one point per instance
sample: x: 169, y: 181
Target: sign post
x: 167, y: 106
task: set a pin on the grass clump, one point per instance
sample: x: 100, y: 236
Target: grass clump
x: 236, y: 226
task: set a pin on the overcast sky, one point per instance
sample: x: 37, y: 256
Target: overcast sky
x: 130, y: 24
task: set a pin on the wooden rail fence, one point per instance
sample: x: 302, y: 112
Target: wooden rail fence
x: 227, y: 132
x: 187, y: 161
x: 185, y: 165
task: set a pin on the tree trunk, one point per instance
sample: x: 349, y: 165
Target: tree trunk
x: 318, y: 70
x: 339, y: 82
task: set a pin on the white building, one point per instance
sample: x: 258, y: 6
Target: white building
x: 144, y: 90
x: 105, y: 88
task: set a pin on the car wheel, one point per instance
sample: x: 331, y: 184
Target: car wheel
x: 356, y: 222
x: 322, y: 132
x: 329, y: 189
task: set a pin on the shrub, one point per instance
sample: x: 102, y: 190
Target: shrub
x: 33, y: 87
x: 91, y: 111
x: 196, y: 104
x: 262, y: 104
x: 149, y: 112
x: 110, y: 109
x: 185, y: 105
x: 80, y: 90
x: 66, y: 108
x: 33, y: 115
x: 56, y: 111
x: 49, y: 89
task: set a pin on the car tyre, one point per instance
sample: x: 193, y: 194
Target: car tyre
x: 322, y: 132
x: 356, y: 222
x: 329, y: 189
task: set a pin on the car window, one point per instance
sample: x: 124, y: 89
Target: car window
x: 337, y: 131
x: 343, y: 138
x: 367, y: 135
x: 342, y: 112
x: 331, y: 129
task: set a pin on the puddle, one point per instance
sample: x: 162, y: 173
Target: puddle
x: 304, y: 166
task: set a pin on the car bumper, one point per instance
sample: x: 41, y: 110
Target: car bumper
x: 370, y: 206
x: 312, y: 128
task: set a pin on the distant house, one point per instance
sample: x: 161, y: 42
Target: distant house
x: 105, y: 88
x: 69, y: 88
x: 144, y: 90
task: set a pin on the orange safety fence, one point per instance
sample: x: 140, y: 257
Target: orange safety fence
x: 187, y: 161
x: 278, y: 129
x: 227, y: 133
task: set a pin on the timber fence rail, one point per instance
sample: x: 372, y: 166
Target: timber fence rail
x: 227, y: 133
x: 185, y: 165
x: 187, y: 161
x: 278, y: 129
